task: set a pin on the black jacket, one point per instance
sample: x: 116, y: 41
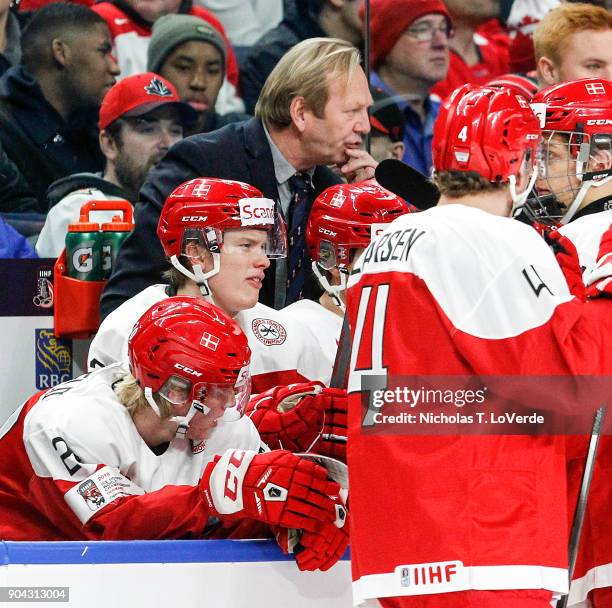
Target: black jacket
x: 35, y: 137
x: 299, y: 23
x: 238, y: 151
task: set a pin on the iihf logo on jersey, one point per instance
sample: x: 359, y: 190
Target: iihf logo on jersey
x: 91, y: 495
x: 53, y: 359
x: 157, y: 87
x: 441, y: 575
x: 268, y: 331
x: 44, y: 288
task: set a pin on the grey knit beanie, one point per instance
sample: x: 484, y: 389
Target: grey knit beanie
x: 171, y: 30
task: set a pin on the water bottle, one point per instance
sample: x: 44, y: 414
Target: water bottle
x: 113, y: 235
x: 84, y: 251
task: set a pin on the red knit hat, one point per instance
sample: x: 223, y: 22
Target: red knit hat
x: 389, y: 18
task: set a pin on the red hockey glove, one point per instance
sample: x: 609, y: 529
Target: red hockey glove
x: 567, y: 257
x: 333, y: 437
x: 276, y: 487
x: 289, y: 417
x: 599, y: 280
x: 319, y: 549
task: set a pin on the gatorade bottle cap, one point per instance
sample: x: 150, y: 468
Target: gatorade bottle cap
x: 83, y: 227
x: 117, y: 225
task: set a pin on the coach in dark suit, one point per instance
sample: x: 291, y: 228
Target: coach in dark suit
x: 312, y: 112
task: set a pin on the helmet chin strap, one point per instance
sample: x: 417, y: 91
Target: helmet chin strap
x: 518, y: 200
x: 198, y: 275
x: 333, y: 291
x: 584, y: 188
x: 182, y: 421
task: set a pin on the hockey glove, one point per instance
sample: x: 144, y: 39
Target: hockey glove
x: 276, y: 487
x: 290, y: 417
x: 567, y: 258
x: 319, y: 549
x: 333, y: 438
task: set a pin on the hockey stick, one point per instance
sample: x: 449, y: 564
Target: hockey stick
x: 343, y: 356
x: 583, y: 497
x: 407, y: 183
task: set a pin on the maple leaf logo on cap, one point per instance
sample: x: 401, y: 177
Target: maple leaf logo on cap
x: 157, y: 87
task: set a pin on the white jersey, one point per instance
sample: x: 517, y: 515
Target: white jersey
x: 324, y: 323
x: 52, y: 238
x: 283, y: 349
x: 586, y: 233
x: 76, y: 456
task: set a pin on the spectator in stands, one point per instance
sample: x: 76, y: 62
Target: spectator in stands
x: 574, y: 41
x: 409, y: 53
x: 245, y: 21
x: 312, y: 112
x: 190, y: 53
x: 303, y: 19
x: 16, y: 196
x: 130, y: 23
x: 49, y: 104
x: 474, y: 57
x: 141, y: 117
x: 11, y: 23
x: 387, y: 127
x: 13, y: 244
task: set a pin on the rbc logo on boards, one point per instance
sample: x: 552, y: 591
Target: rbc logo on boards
x: 53, y: 359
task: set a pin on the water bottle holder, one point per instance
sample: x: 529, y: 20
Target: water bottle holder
x: 77, y: 303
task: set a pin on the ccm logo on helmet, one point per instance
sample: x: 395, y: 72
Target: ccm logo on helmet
x: 194, y: 218
x: 327, y: 232
x: 600, y: 121
x: 187, y: 370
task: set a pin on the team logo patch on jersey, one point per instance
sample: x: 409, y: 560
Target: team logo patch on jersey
x: 53, y: 359
x: 268, y: 331
x: 158, y: 88
x: 91, y: 495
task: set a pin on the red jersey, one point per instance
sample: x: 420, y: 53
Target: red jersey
x: 457, y: 291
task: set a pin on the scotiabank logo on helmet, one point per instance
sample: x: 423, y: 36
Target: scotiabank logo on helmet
x: 256, y: 211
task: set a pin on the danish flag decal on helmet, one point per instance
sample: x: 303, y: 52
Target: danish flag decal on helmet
x: 157, y: 87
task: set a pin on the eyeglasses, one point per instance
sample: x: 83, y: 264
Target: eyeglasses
x: 424, y: 32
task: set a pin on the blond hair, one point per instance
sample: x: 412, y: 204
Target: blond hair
x: 303, y: 72
x: 131, y: 395
x: 456, y: 184
x: 552, y: 32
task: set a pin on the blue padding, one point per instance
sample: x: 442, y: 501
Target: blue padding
x: 143, y: 552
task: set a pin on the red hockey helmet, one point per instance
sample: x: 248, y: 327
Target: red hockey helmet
x: 576, y: 116
x: 520, y: 84
x: 341, y: 219
x: 489, y: 131
x: 184, y: 347
x: 204, y: 207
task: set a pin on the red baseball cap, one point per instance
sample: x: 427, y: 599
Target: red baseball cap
x: 140, y: 94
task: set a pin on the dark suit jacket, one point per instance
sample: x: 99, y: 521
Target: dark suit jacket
x: 238, y: 151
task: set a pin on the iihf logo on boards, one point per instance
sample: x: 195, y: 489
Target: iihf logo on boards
x: 53, y: 359
x: 44, y: 288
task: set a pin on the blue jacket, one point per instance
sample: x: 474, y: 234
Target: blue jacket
x: 13, y: 244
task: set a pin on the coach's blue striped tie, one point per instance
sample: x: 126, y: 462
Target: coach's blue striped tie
x: 298, y: 260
